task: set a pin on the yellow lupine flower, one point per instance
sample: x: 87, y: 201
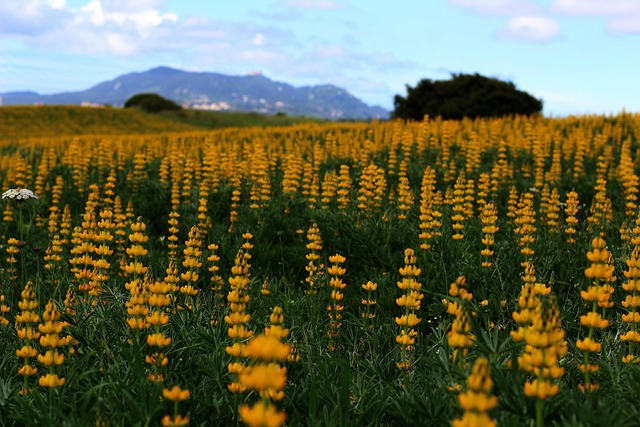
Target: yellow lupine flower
x: 267, y: 348
x: 51, y: 381
x: 26, y: 352
x: 588, y: 345
x: 176, y: 394
x: 540, y: 389
x: 594, y: 320
x: 158, y: 340
x: 51, y: 357
x: 476, y: 400
x: 262, y: 377
x: 262, y: 415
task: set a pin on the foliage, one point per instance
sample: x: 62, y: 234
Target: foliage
x: 151, y: 103
x: 464, y: 95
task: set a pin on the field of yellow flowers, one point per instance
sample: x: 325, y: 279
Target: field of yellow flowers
x: 458, y: 273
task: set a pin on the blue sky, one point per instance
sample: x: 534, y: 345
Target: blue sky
x: 579, y: 56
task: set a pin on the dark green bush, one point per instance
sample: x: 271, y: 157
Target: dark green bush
x: 465, y: 95
x: 151, y: 102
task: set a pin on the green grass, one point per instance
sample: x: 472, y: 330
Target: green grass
x: 218, y: 120
x: 19, y: 122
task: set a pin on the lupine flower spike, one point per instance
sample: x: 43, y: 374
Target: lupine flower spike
x: 192, y: 265
x: 237, y: 319
x: 265, y: 375
x: 410, y: 303
x: 631, y: 303
x: 598, y: 294
x: 545, y: 346
x: 315, y: 266
x: 336, y: 306
x: 369, y: 302
x: 4, y: 309
x: 488, y: 218
x: 460, y: 338
x: 50, y: 341
x: 176, y: 395
x: 28, y: 333
x: 159, y: 299
x: 477, y: 400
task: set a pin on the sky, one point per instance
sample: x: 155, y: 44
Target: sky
x: 578, y: 56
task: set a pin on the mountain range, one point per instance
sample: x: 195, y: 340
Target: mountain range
x: 214, y: 91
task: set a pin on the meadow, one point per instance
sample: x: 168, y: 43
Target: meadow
x: 324, y: 274
x: 27, y: 122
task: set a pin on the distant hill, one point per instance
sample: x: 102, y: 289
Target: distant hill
x: 213, y: 91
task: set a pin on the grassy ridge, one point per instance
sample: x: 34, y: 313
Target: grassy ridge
x: 42, y: 121
x: 17, y: 122
x: 219, y: 120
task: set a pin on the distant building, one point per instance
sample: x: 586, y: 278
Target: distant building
x: 213, y: 106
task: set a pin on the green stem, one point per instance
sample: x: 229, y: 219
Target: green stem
x: 156, y: 369
x: 25, y: 386
x: 38, y: 274
x: 366, y: 310
x: 539, y: 404
x: 236, y: 404
x: 632, y: 343
x: 587, y: 373
x: 20, y: 225
x: 51, y: 404
x: 23, y: 274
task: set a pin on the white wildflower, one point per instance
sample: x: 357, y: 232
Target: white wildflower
x: 19, y: 194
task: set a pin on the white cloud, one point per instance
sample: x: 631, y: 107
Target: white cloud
x: 143, y: 19
x: 313, y: 4
x: 258, y: 40
x: 327, y: 63
x: 131, y: 5
x: 596, y: 7
x: 622, y: 16
x: 531, y: 28
x: 32, y: 17
x: 92, y: 12
x: 119, y: 27
x: 525, y: 20
x: 121, y: 44
x: 327, y: 58
x: 57, y: 4
x: 329, y: 51
x: 261, y: 57
x: 625, y: 24
x: 497, y: 7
